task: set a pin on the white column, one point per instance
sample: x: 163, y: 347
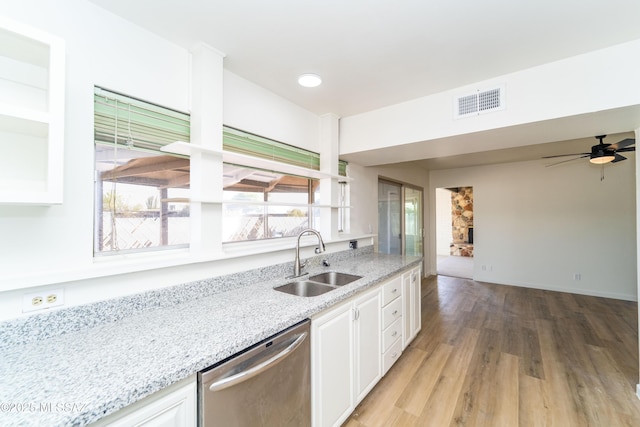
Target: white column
x: 206, y: 168
x: 638, y: 231
x: 330, y: 145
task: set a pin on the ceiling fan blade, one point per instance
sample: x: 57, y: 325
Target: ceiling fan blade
x: 618, y: 158
x: 621, y: 144
x: 567, y: 161
x: 627, y: 149
x: 565, y: 155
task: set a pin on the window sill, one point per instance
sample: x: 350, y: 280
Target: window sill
x: 114, y: 265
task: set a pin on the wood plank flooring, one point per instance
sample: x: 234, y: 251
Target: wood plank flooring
x: 494, y: 355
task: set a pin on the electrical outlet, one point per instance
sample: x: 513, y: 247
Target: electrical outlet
x: 42, y: 300
x: 353, y: 244
x: 577, y: 276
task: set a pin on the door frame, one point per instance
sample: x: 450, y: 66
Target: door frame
x: 403, y: 185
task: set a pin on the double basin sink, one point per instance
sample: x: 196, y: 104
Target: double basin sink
x: 318, y: 284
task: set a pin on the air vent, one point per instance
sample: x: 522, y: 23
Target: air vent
x: 479, y: 102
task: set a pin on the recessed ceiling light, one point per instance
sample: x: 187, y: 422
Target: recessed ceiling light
x: 309, y: 80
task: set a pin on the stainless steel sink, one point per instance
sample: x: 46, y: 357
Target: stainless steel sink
x: 305, y: 288
x: 334, y: 278
x: 317, y: 284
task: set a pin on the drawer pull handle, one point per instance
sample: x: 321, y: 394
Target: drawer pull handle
x: 394, y: 290
x: 394, y: 333
x: 394, y: 312
x: 394, y: 355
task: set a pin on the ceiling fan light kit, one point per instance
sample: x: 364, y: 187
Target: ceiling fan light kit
x: 601, y: 153
x: 600, y: 156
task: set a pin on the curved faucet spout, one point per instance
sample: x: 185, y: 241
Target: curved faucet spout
x: 297, y: 265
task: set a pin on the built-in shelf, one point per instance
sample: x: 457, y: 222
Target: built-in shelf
x: 250, y: 203
x: 187, y: 149
x: 32, y: 82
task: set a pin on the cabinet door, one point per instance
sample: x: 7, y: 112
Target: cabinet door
x: 332, y: 366
x: 407, y: 304
x: 412, y: 305
x: 174, y: 406
x: 367, y: 343
x: 416, y: 302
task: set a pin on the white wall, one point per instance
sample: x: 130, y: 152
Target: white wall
x: 251, y: 108
x: 364, y: 196
x: 52, y: 247
x: 537, y: 227
x: 603, y: 80
x: 443, y: 221
x: 100, y: 50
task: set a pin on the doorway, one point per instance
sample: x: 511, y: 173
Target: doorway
x: 400, y: 218
x: 454, y: 232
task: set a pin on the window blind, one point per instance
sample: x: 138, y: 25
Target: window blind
x: 128, y: 121
x: 253, y: 145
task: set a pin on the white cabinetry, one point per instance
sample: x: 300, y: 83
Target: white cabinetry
x: 392, y: 315
x: 345, y: 357
x: 412, y: 305
x: 174, y: 406
x: 32, y: 91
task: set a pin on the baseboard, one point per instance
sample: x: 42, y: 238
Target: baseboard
x: 588, y: 292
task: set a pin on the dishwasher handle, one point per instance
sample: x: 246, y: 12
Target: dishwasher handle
x: 257, y: 369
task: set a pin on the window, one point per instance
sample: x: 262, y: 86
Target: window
x: 140, y: 192
x: 266, y: 204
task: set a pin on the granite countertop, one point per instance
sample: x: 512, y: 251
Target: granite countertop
x: 75, y: 375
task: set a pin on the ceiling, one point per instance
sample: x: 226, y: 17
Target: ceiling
x: 375, y: 53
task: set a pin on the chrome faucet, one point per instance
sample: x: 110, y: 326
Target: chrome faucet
x: 297, y: 265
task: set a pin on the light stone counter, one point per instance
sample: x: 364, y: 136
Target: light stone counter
x: 77, y: 365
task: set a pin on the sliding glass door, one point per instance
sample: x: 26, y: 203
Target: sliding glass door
x: 389, y: 217
x: 413, y: 227
x: 400, y: 218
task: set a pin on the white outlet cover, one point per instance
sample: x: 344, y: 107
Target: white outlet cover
x: 28, y: 306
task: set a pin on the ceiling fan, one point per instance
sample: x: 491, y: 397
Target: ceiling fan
x: 601, y: 153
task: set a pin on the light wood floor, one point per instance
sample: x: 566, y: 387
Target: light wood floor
x: 493, y: 355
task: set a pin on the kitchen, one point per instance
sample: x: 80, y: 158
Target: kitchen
x: 60, y: 238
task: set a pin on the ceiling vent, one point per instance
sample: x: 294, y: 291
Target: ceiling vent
x: 479, y: 102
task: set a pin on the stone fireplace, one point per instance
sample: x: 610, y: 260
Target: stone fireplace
x: 462, y: 221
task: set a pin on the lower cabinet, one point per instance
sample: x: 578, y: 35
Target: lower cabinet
x: 411, y: 293
x: 392, y: 322
x: 345, y: 357
x: 174, y: 406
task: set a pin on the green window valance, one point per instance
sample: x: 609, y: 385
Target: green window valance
x: 253, y: 145
x: 129, y: 121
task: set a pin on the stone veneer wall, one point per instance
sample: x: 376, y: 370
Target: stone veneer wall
x: 462, y: 220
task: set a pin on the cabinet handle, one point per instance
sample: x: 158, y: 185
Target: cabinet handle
x: 394, y: 355
x: 394, y: 290
x: 356, y: 314
x: 394, y: 312
x: 394, y: 333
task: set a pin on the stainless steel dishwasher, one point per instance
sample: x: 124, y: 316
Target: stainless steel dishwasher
x: 268, y: 384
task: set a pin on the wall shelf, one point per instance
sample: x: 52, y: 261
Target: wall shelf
x: 187, y: 149
x: 250, y: 203
x: 32, y: 79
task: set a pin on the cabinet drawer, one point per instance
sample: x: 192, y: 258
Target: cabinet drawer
x: 391, y: 312
x: 391, y: 290
x: 391, y: 334
x: 391, y: 355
